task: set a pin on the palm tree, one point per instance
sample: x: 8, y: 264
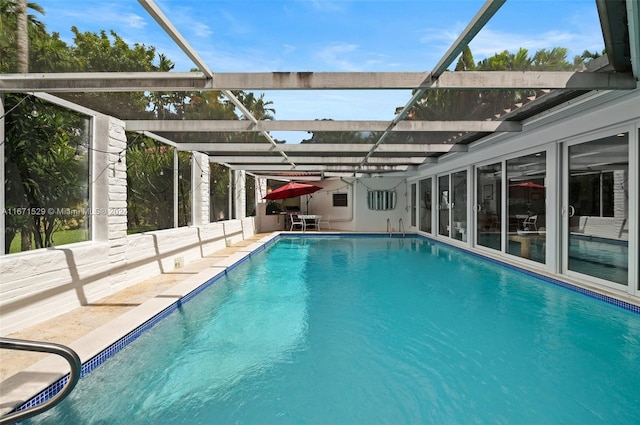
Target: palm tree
x: 259, y: 108
x: 15, y: 26
x: 22, y: 36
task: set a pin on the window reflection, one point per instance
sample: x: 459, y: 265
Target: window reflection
x: 599, y: 207
x: 413, y: 204
x: 526, y: 206
x: 459, y: 203
x: 443, y: 205
x: 425, y: 205
x: 489, y: 209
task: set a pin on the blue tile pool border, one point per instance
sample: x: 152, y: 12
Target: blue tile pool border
x: 548, y: 279
x: 114, y: 348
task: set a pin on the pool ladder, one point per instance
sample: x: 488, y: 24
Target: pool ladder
x: 43, y: 347
x: 400, y: 227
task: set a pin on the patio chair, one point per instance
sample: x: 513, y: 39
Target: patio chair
x: 296, y: 221
x: 529, y: 223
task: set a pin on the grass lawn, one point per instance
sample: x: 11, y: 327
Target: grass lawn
x: 62, y: 237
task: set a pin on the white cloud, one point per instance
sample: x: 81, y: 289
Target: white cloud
x: 201, y: 30
x: 135, y: 21
x: 339, y: 56
x: 288, y: 48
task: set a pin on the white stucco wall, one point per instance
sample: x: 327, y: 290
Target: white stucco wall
x: 356, y: 216
x: 41, y: 284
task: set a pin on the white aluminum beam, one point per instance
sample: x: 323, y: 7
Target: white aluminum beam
x: 188, y: 81
x: 248, y: 115
x: 161, y: 139
x: 103, y: 82
x: 472, y: 29
x: 477, y: 23
x: 317, y: 125
x: 321, y: 148
x: 168, y: 27
x: 322, y: 160
x: 269, y: 168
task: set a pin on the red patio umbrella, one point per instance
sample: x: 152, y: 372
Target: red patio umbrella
x: 524, y: 189
x: 527, y: 184
x: 292, y: 190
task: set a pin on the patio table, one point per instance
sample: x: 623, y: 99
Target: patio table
x: 310, y: 220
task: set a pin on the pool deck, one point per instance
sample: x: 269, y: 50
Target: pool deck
x: 93, y: 327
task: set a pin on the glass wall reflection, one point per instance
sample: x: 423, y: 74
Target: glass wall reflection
x: 443, y: 205
x: 598, y: 208
x: 489, y: 208
x: 459, y: 205
x: 425, y: 205
x: 526, y: 206
x: 413, y: 204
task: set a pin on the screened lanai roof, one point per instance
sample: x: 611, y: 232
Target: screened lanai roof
x: 348, y: 88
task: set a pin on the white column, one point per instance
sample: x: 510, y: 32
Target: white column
x: 109, y: 184
x: 231, y: 191
x: 200, y: 189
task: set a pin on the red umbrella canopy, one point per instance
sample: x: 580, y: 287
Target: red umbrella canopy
x: 292, y: 190
x: 527, y: 184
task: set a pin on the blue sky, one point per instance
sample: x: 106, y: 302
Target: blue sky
x: 341, y: 35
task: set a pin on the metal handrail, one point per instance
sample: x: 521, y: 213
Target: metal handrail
x: 389, y: 229
x: 401, y: 227
x: 43, y: 347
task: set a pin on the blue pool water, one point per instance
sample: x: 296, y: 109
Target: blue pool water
x: 337, y: 330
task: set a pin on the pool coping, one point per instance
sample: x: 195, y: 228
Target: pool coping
x: 44, y: 379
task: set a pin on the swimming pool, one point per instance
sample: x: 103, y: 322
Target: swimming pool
x: 372, y: 330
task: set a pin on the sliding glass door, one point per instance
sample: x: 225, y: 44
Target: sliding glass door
x: 452, y: 205
x: 425, y: 205
x: 459, y: 205
x: 526, y: 206
x: 596, y: 212
x: 444, y: 205
x: 489, y: 205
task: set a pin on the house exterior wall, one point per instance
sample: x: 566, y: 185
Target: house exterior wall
x: 356, y: 216
x: 590, y: 117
